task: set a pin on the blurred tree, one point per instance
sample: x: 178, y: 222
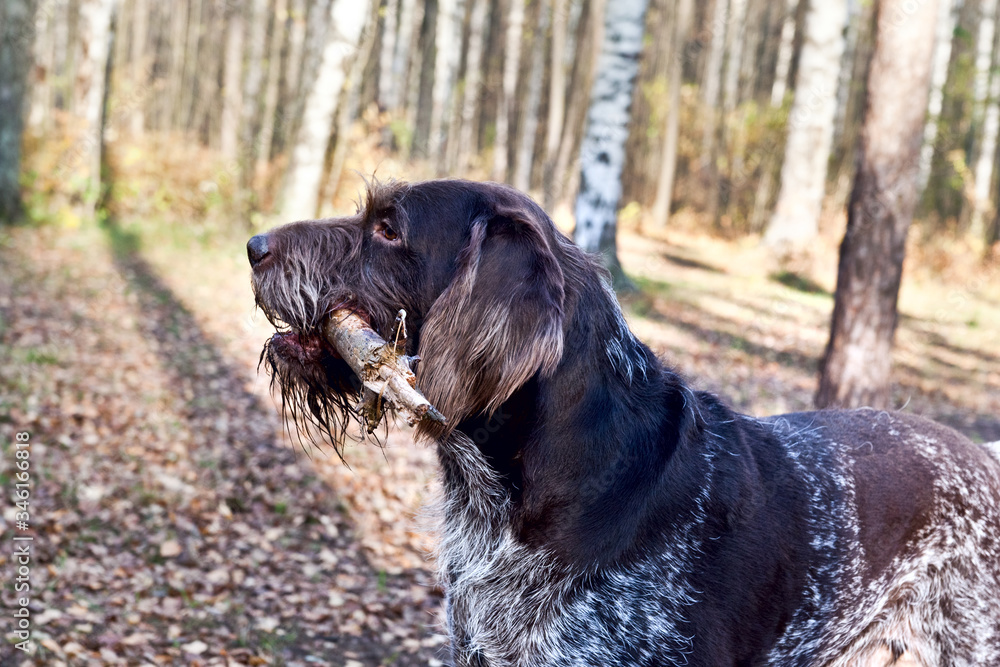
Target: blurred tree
x: 447, y: 61
x: 271, y: 88
x: 810, y: 126
x: 943, y: 38
x: 232, y: 76
x: 987, y: 115
x: 531, y: 105
x: 305, y: 171
x: 512, y: 61
x: 660, y: 214
x: 945, y: 194
x: 82, y: 165
x: 17, y: 30
x: 856, y: 367
x: 427, y: 47
x: 603, y: 150
x: 589, y: 33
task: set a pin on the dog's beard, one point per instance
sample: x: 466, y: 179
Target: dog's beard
x: 321, y: 397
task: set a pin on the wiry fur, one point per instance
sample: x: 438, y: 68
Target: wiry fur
x: 597, y: 511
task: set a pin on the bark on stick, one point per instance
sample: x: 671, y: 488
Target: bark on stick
x: 384, y: 372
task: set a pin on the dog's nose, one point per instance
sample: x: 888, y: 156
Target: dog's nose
x: 257, y: 249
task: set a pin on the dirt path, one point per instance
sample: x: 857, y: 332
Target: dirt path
x: 172, y: 522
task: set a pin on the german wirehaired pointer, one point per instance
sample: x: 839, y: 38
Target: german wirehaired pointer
x: 597, y: 510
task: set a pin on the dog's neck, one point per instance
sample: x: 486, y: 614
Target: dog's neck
x: 585, y: 477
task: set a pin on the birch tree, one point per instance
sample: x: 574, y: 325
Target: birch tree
x: 660, y: 213
x: 784, y: 61
x: 82, y: 164
x: 461, y: 138
x: 603, y: 150
x: 939, y: 73
x: 987, y: 92
x: 856, y: 366
x: 17, y: 31
x: 271, y: 87
x: 302, y: 182
x: 810, y: 126
x: 232, y: 93
x: 521, y: 178
x: 427, y: 46
x: 446, y: 64
x: 512, y: 61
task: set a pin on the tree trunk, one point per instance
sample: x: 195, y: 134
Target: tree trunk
x: 512, y: 60
x: 387, y: 88
x: 271, y: 87
x: 945, y: 193
x: 84, y: 160
x: 943, y: 37
x: 249, y: 147
x: 557, y: 90
x: 856, y: 367
x: 711, y: 79
x: 607, y: 130
x: 17, y: 29
x: 302, y: 182
x: 735, y: 37
x: 232, y: 76
x: 660, y: 214
x: 810, y: 127
x: 447, y: 60
x: 175, y: 76
x: 987, y: 93
x: 590, y: 33
x: 463, y: 147
x: 137, y: 63
x: 521, y: 178
x: 427, y: 46
x: 784, y: 54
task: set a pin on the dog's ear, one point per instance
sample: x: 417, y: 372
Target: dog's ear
x: 499, y: 321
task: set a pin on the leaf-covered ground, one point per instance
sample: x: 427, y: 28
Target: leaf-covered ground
x: 176, y: 523
x: 173, y: 524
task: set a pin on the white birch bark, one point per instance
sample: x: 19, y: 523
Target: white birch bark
x: 943, y: 35
x: 784, y: 61
x: 603, y: 150
x: 232, y: 91
x: 660, y: 214
x: 512, y: 61
x: 521, y: 177
x: 84, y: 158
x: 301, y: 192
x: 387, y: 87
x: 810, y: 126
x: 987, y: 91
x: 448, y: 41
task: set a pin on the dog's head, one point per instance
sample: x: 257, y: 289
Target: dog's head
x: 473, y: 264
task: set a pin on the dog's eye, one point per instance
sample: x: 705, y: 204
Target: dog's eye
x: 386, y: 232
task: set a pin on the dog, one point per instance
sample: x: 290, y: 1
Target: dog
x: 597, y: 510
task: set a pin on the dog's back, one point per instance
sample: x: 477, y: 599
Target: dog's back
x: 910, y: 512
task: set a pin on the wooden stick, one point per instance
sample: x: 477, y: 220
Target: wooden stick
x: 385, y: 372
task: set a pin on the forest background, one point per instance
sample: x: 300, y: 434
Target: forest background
x: 797, y: 200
